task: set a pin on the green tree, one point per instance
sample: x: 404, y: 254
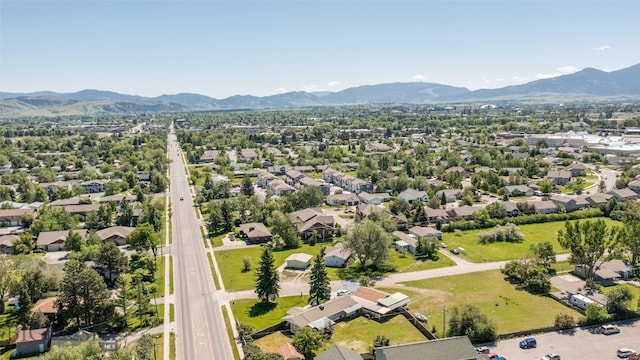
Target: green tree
x: 124, y: 296
x: 595, y: 314
x: 111, y: 262
x: 283, y: 227
x: 84, y: 296
x: 246, y: 188
x: 628, y: 239
x: 145, y: 348
x: 320, y: 285
x: 307, y: 340
x: 546, y: 186
x: 73, y: 241
x: 268, y: 280
x: 470, y: 321
x: 144, y: 238
x: 125, y: 216
x: 381, y: 340
x: 369, y: 243
x: 587, y: 242
x: 543, y: 253
x: 496, y: 210
x: 619, y: 301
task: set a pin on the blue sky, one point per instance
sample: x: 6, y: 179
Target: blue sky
x: 224, y: 48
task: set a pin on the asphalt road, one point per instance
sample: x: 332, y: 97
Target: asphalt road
x: 200, y: 327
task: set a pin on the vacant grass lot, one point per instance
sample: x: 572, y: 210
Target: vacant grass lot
x: 253, y: 313
x: 230, y: 263
x: 511, y: 309
x: 533, y: 233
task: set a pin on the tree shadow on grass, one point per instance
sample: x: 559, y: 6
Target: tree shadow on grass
x: 261, y: 308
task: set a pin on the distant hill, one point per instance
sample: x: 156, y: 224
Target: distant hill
x: 585, y: 84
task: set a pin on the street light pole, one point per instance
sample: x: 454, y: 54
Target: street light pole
x: 444, y: 317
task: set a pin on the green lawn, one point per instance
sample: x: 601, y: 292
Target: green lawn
x: 172, y: 313
x: 217, y: 240
x: 251, y: 312
x: 533, y: 233
x: 8, y: 322
x: 358, y: 334
x: 227, y: 321
x: 272, y: 342
x: 512, y: 309
x: 160, y: 261
x: 634, y: 290
x: 170, y: 274
x: 213, y: 271
x: 230, y: 264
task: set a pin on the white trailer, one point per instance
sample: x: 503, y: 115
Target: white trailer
x: 581, y: 301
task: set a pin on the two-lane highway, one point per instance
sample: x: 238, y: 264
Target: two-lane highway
x: 200, y: 332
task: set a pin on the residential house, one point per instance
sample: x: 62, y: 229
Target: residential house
x: 608, y: 272
x: 518, y: 190
x: 208, y: 156
x: 54, y: 240
x: 47, y: 307
x: 545, y: 207
x: 117, y: 198
x: 76, y: 200
x: 463, y: 212
x: 81, y: 210
x: 323, y: 225
x: 411, y: 195
x: 338, y: 352
x: 323, y: 316
x: 451, y: 348
x: 635, y: 186
x: 374, y: 199
x: 298, y: 261
x: 571, y: 203
x: 90, y: 186
x: 118, y: 235
x: 437, y: 215
x: 293, y: 176
x: 511, y: 208
x: 6, y: 243
x: 336, y: 256
x: 328, y: 174
x: 304, y: 168
x: 598, y: 199
x: 13, y: 217
x: 249, y: 155
x: 422, y: 232
x: 459, y: 170
x: 405, y: 241
x: 451, y: 195
x: 76, y: 339
x: 305, y: 181
x: 559, y: 177
x: 219, y: 178
x: 51, y: 188
x: 33, y: 342
x: 376, y: 303
x: 358, y: 186
x: 264, y: 178
x: 578, y: 169
x: 255, y: 233
x: 348, y: 199
x: 624, y: 194
x: 280, y: 188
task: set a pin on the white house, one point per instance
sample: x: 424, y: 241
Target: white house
x: 336, y: 256
x: 411, y: 195
x: 298, y: 261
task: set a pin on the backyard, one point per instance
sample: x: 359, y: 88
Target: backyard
x: 512, y: 309
x: 499, y: 251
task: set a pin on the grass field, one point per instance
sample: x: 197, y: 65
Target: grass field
x: 511, y: 309
x: 160, y: 261
x: 227, y: 321
x: 213, y: 271
x: 251, y: 312
x: 230, y: 263
x: 533, y: 233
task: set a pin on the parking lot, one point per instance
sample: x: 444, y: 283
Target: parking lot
x: 585, y: 343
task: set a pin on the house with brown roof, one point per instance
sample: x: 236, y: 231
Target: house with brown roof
x: 81, y: 210
x: 437, y: 215
x: 33, y: 342
x: 118, y: 235
x: 6, y: 243
x: 464, y: 212
x: 255, y: 233
x: 47, y: 307
x: 54, y: 240
x: 459, y: 170
x: 13, y: 217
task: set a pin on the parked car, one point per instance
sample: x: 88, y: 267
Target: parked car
x: 181, y: 198
x: 493, y: 356
x: 608, y: 329
x: 528, y: 343
x: 482, y: 350
x: 343, y: 292
x: 625, y: 353
x: 455, y: 251
x: 443, y: 245
x: 550, y: 356
x: 420, y: 317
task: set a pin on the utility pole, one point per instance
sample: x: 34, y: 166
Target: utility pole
x: 444, y: 320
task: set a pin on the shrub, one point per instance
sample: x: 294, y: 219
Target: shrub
x: 565, y: 321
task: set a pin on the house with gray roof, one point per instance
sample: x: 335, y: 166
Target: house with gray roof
x: 411, y: 195
x: 451, y: 348
x: 559, y: 177
x: 518, y: 190
x: 624, y: 194
x: 338, y: 352
x: 336, y: 255
x: 323, y: 316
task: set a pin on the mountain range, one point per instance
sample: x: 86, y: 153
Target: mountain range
x: 587, y: 84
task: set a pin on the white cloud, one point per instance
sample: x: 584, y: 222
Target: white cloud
x: 546, y: 76
x: 567, y: 69
x: 279, y: 90
x: 486, y: 80
x: 334, y: 83
x: 602, y: 48
x: 418, y: 77
x: 519, y: 78
x: 310, y: 88
x: 500, y: 80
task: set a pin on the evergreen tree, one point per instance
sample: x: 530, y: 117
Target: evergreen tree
x: 125, y: 217
x: 268, y: 281
x: 443, y: 199
x: 111, y: 262
x: 124, y: 296
x: 73, y: 241
x: 320, y: 286
x: 246, y: 188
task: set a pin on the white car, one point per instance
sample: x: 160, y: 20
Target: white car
x: 551, y: 356
x: 343, y: 292
x: 625, y: 352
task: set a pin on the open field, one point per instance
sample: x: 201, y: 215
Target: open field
x: 498, y: 251
x: 512, y: 309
